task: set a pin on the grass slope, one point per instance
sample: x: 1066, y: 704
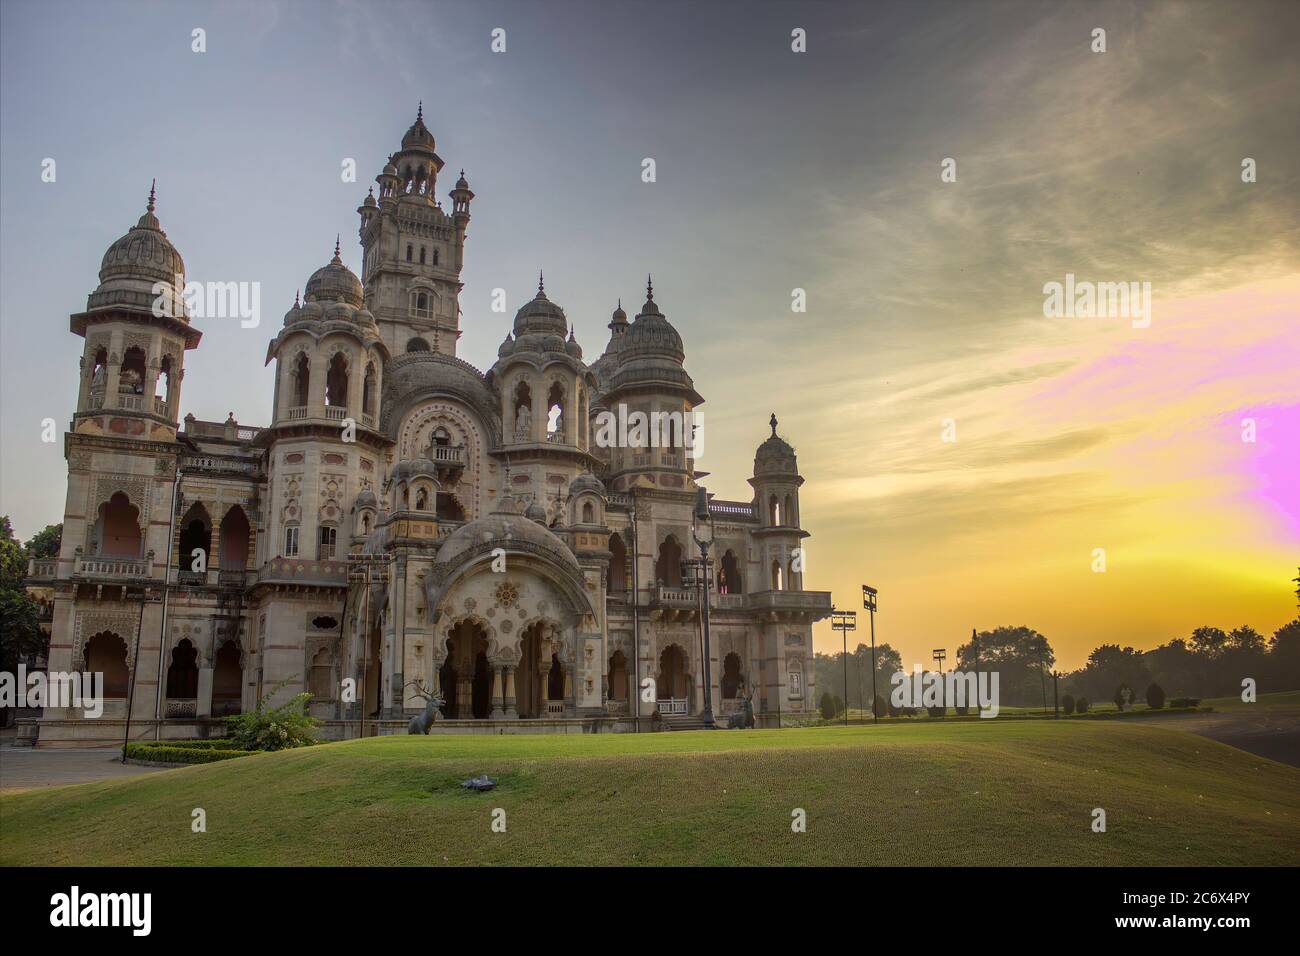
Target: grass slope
x: 981, y: 793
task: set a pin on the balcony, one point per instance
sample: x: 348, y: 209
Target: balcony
x: 181, y: 709
x: 42, y: 569
x: 673, y: 604
x: 160, y: 406
x: 112, y: 569
x: 297, y: 412
x: 672, y: 706
x: 191, y: 579
x: 792, y: 606
x: 336, y: 413
x: 448, y: 460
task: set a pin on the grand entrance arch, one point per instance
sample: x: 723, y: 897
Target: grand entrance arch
x: 541, y: 680
x: 465, y: 677
x: 672, y: 685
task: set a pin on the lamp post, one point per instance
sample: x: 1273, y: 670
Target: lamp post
x: 702, y: 531
x: 845, y: 621
x: 869, y: 602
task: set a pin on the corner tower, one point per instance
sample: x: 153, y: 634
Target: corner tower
x: 413, y: 250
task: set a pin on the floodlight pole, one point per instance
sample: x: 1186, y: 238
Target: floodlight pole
x: 845, y: 621
x: 869, y: 602
x: 938, y: 654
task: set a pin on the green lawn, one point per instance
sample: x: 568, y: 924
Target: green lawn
x: 968, y: 793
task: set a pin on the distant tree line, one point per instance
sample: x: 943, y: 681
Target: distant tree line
x: 21, y: 638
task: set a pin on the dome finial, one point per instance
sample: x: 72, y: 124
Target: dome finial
x: 419, y: 113
x: 773, y: 424
x: 296, y: 301
x: 541, y: 283
x: 152, y: 194
x: 337, y: 239
x: 649, y: 288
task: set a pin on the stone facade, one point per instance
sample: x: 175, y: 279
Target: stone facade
x: 406, y: 517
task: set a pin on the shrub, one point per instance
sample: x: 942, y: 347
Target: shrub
x: 827, y: 706
x: 1184, y: 702
x: 1067, y: 704
x: 274, y: 728
x: 1081, y: 705
x: 936, y: 711
x: 1155, y: 696
x: 839, y: 706
x: 894, y: 709
x: 165, y: 753
x: 960, y: 709
x: 880, y: 707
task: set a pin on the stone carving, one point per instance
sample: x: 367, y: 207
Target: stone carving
x: 421, y: 724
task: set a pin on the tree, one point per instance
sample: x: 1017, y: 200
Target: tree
x: 1209, y: 642
x: 1067, y: 705
x: 46, y: 542
x: 1019, y: 654
x: 827, y: 705
x: 21, y: 637
x: 1155, y: 696
x: 1081, y: 705
x: 13, y: 563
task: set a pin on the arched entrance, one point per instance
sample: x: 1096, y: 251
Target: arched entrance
x: 618, y: 676
x: 105, y: 654
x: 730, y: 676
x: 227, y: 681
x: 466, y: 677
x: 539, y: 680
x: 672, y: 685
x: 183, y: 674
x: 117, y: 528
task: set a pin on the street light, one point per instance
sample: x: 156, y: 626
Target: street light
x: 869, y: 602
x: 702, y: 531
x: 845, y: 621
x: 939, y: 653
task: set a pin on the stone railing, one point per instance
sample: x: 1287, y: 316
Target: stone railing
x: 181, y: 709
x: 216, y: 463
x: 297, y: 412
x: 671, y: 706
x: 676, y: 597
x: 108, y: 567
x: 231, y: 579
x: 617, y: 708
x: 618, y: 500
x: 42, y: 569
x: 729, y: 601
x: 555, y: 708
x: 448, y: 454
x: 336, y: 413
x: 160, y: 406
x: 132, y: 403
x: 732, y: 509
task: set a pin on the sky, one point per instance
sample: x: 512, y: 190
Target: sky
x: 775, y: 171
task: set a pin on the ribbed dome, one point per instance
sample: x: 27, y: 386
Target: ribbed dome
x: 586, y: 482
x: 649, y: 352
x: 335, y: 282
x: 418, y: 136
x: 144, y: 253
x: 504, y: 525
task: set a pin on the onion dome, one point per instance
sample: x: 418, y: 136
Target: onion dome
x: 535, y: 512
x: 295, y: 312
x: 572, y: 346
x: 370, y: 196
x: 389, y: 168
x: 586, y: 482
x: 462, y: 183
x: 335, y: 282
x: 507, y: 346
x: 365, y: 499
x: 775, y: 456
x: 650, y: 352
x: 541, y: 315
x: 133, y: 263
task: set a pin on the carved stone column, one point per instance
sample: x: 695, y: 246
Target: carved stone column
x: 511, y: 712
x: 498, y: 713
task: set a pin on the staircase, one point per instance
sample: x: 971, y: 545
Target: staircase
x: 684, y: 723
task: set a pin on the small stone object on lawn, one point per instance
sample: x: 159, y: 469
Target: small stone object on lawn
x: 481, y: 783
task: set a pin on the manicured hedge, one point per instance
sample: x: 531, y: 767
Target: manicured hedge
x: 216, y: 743
x: 165, y: 753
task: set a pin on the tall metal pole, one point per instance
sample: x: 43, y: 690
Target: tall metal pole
x: 844, y: 633
x: 704, y: 620
x: 869, y: 602
x: 975, y: 644
x: 135, y: 667
x: 167, y: 587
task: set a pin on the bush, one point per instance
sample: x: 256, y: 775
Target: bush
x: 827, y: 706
x: 275, y: 728
x: 894, y: 709
x: 166, y: 753
x: 880, y: 707
x: 215, y: 743
x: 1081, y: 705
x: 936, y: 711
x: 1184, y: 702
x: 1067, y: 704
x: 1155, y: 696
x: 960, y: 709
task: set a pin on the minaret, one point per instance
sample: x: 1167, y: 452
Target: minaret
x: 413, y: 249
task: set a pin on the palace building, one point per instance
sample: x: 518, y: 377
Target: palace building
x: 405, y: 520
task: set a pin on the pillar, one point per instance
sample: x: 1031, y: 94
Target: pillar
x: 204, y: 703
x: 498, y: 712
x: 511, y: 712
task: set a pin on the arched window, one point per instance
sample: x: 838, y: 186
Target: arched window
x: 291, y: 541
x: 730, y: 676
x: 618, y: 676
x: 301, y: 379
x: 163, y: 388
x: 117, y: 528
x: 729, y: 577
x: 588, y: 513
x: 668, y: 569
x: 183, y: 674
x: 523, y: 412
x: 421, y: 499
x: 234, y: 540
x: 555, y: 413
x: 131, y: 377
x: 785, y: 510
x: 336, y: 381
x: 99, y: 369
x: 105, y: 653
x: 195, y: 544
x: 417, y: 344
x: 320, y: 681
x: 616, y: 580
x: 435, y: 257
x: 422, y: 255
x: 409, y: 247
x: 368, y: 390
x: 420, y: 305
x: 776, y: 575
x: 773, y: 511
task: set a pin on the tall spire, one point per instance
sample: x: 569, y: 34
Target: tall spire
x: 419, y: 113
x: 649, y: 288
x: 337, y: 239
x: 152, y: 194
x: 541, y: 284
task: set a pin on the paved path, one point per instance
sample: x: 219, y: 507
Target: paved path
x: 1268, y: 732
x: 26, y: 768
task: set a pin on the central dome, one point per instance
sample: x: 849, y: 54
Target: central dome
x: 541, y: 315
x: 334, y: 282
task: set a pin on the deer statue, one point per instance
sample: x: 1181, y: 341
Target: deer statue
x: 744, y: 718
x: 422, y: 723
